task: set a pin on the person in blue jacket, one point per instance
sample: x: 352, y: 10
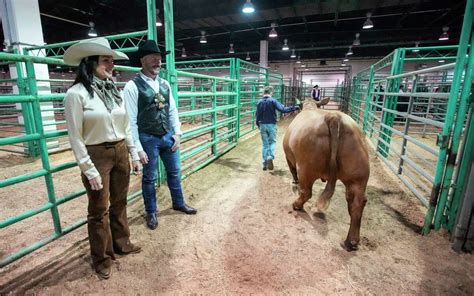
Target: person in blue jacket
x: 266, y: 122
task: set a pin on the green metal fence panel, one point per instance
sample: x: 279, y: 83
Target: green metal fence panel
x: 417, y: 120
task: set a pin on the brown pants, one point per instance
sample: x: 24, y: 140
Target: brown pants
x: 111, y: 160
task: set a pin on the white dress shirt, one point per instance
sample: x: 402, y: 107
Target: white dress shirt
x: 89, y: 123
x: 130, y: 95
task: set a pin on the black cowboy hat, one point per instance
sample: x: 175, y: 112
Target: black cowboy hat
x: 145, y: 48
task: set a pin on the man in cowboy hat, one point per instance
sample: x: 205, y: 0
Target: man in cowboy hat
x: 156, y: 128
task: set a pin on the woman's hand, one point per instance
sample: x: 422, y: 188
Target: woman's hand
x: 136, y: 167
x: 143, y: 157
x: 96, y: 183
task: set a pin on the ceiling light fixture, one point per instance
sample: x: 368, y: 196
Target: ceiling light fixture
x: 368, y: 22
x: 293, y: 55
x: 441, y: 61
x: 159, y: 23
x: 298, y: 61
x: 203, y: 37
x: 248, y: 7
x: 285, y: 46
x: 346, y: 59
x: 183, y: 53
x: 247, y: 58
x: 231, y: 48
x: 92, y: 32
x: 273, y: 33
x: 356, y: 41
x: 416, y: 49
x: 343, y: 64
x: 350, y: 51
x: 444, y: 36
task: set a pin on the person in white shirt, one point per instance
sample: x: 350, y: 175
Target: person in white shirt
x: 99, y: 132
x: 156, y: 129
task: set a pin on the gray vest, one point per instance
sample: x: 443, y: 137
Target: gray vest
x: 150, y: 119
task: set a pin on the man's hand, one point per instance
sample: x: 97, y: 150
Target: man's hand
x: 177, y: 141
x: 96, y: 183
x: 136, y: 167
x: 143, y: 157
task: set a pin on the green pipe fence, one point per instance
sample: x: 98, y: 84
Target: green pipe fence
x: 216, y: 110
x: 417, y: 120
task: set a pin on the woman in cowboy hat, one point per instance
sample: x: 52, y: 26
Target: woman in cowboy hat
x: 100, y: 137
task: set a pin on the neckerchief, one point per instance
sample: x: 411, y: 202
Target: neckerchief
x: 107, y: 92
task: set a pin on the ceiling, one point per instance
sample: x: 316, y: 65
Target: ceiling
x: 318, y: 29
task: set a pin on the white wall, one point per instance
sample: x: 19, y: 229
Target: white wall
x: 287, y: 69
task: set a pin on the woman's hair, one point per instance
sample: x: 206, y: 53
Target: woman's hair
x: 85, y: 72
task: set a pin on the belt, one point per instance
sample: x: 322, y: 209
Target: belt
x: 107, y: 144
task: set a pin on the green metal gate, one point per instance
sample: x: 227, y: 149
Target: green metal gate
x: 416, y: 120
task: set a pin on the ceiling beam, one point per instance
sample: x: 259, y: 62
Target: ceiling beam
x: 324, y: 21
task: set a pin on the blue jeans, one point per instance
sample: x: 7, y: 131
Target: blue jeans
x: 154, y: 146
x: 268, y: 132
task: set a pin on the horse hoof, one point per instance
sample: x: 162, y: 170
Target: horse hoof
x: 350, y: 246
x: 296, y: 207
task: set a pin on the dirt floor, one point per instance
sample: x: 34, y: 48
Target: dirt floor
x: 245, y: 239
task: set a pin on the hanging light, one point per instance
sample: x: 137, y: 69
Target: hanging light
x: 203, y: 37
x: 285, y: 46
x: 159, y: 23
x: 247, y: 58
x: 343, y: 64
x: 441, y: 61
x: 248, y: 7
x: 444, y: 36
x: 350, y: 51
x: 183, y: 53
x: 273, y: 33
x: 298, y: 61
x: 346, y: 59
x: 58, y: 67
x: 368, y: 22
x: 356, y: 41
x: 92, y: 32
x: 231, y: 48
x: 303, y: 65
x: 416, y: 49
x: 293, y: 55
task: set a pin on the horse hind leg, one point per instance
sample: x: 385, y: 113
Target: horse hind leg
x: 305, y: 193
x: 356, y: 200
x: 293, y: 171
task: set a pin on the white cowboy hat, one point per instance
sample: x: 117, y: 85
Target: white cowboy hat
x: 91, y: 47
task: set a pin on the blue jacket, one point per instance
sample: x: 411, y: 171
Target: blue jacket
x: 266, y: 110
